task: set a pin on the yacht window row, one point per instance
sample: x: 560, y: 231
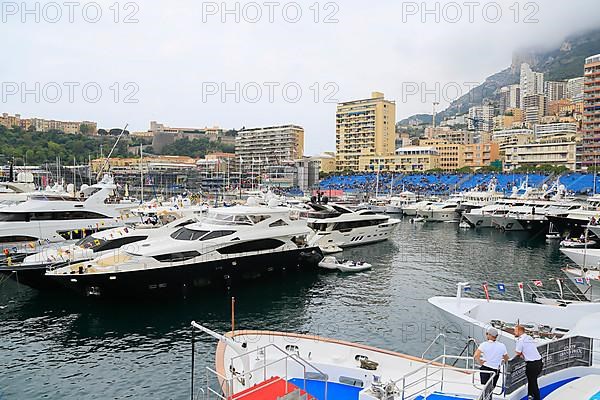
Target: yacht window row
x: 49, y: 216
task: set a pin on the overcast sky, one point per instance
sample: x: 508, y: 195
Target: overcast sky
x: 176, y: 59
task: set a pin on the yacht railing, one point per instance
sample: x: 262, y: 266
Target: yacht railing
x: 249, y: 384
x: 431, y: 377
x: 433, y: 342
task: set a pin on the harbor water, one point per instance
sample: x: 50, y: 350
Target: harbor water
x: 60, y: 346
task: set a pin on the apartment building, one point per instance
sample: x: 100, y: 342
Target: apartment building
x: 531, y: 83
x: 450, y: 135
x: 479, y: 155
x: 510, y: 137
x: 270, y: 145
x: 534, y: 108
x: 555, y: 90
x: 556, y: 150
x: 481, y: 118
x: 575, y: 89
x: 591, y: 112
x: 406, y: 159
x: 451, y: 155
x: 364, y: 128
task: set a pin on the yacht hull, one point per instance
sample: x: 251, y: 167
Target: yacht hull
x: 583, y: 257
x: 393, y: 209
x: 589, y: 287
x: 439, y: 216
x: 566, y: 226
x: 357, y: 236
x: 184, y: 279
x: 479, y: 220
x: 33, y: 276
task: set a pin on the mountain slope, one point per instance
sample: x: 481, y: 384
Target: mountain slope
x: 561, y: 63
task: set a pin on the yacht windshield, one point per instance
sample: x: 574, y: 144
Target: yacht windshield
x: 90, y: 242
x: 228, y: 219
x: 187, y: 234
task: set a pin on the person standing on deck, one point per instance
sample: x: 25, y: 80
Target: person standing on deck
x: 527, y: 349
x: 494, y: 353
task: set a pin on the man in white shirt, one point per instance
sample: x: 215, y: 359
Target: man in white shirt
x: 527, y: 349
x: 494, y: 353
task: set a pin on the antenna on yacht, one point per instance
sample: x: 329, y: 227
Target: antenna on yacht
x: 232, y: 316
x: 110, y: 153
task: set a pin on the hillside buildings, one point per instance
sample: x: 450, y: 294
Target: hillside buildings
x: 46, y: 125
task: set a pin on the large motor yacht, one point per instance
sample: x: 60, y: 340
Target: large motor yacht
x: 446, y: 211
x: 398, y: 203
x: 336, y: 225
x: 44, y: 219
x: 230, y: 244
x: 31, y: 271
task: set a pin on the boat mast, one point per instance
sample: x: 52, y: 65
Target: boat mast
x: 141, y: 173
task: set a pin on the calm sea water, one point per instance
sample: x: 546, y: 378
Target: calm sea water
x: 59, y: 346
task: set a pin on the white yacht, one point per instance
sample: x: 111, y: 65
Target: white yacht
x: 398, y: 203
x: 337, y: 225
x: 574, y: 222
x: 586, y: 280
x: 252, y: 364
x: 46, y: 219
x: 412, y: 209
x: 483, y: 217
x: 586, y: 258
x: 12, y: 192
x: 544, y: 322
x: 446, y: 211
x: 32, y: 269
x: 230, y: 244
x: 476, y: 199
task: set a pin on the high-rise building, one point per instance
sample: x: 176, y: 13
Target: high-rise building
x: 510, y: 97
x: 481, y: 118
x: 531, y: 82
x: 271, y: 145
x: 591, y: 112
x: 575, y: 89
x: 364, y: 127
x: 555, y: 90
x: 534, y: 108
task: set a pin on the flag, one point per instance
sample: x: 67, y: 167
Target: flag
x: 579, y: 281
x: 538, y: 283
x: 487, y: 292
x: 522, y: 292
x: 501, y: 288
x: 467, y: 288
x: 587, y: 280
x: 560, y: 288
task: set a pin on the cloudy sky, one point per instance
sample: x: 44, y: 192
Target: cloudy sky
x: 197, y: 64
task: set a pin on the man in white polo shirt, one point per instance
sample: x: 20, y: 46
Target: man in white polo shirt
x: 494, y: 353
x: 527, y: 349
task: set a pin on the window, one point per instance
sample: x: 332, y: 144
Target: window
x: 118, y: 243
x: 217, y: 234
x: 258, y: 218
x: 253, y: 245
x: 279, y: 222
x: 14, y: 217
x: 346, y: 380
x: 187, y: 234
x: 183, y: 256
x: 14, y: 239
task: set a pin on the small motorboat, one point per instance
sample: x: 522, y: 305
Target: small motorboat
x: 352, y: 266
x: 329, y: 262
x: 418, y: 219
x: 331, y: 249
x: 332, y: 263
x: 577, y: 244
